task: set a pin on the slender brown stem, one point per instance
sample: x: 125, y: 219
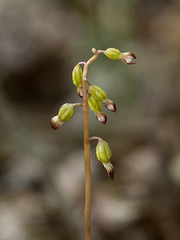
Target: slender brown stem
x: 87, y: 210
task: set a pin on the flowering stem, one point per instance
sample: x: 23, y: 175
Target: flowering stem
x: 95, y: 97
x: 87, y: 211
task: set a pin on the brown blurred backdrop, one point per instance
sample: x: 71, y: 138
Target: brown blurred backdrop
x: 42, y: 171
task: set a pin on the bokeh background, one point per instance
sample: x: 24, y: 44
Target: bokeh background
x: 42, y: 171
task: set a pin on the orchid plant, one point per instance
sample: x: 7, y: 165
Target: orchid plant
x: 93, y: 96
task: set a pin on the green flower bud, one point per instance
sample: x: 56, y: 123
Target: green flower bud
x: 101, y: 117
x: 97, y: 92
x: 113, y: 53
x: 103, y: 151
x: 55, y: 122
x: 77, y: 76
x: 94, y: 104
x: 110, y: 105
x: 66, y: 112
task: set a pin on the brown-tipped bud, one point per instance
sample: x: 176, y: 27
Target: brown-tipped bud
x: 113, y: 53
x: 55, y: 122
x: 77, y: 76
x: 110, y: 170
x: 80, y: 92
x: 94, y: 104
x: 127, y: 57
x: 66, y: 112
x: 103, y: 151
x: 97, y: 93
x: 101, y: 117
x: 110, y: 105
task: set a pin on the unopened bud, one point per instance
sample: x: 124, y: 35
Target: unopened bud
x: 110, y: 105
x: 110, y: 169
x: 77, y: 76
x: 103, y: 151
x: 113, y: 53
x: 55, y: 122
x: 80, y: 92
x: 66, y: 112
x: 127, y: 57
x: 94, y: 104
x: 97, y: 92
x: 101, y: 117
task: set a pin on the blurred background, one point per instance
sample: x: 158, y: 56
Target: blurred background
x: 42, y: 171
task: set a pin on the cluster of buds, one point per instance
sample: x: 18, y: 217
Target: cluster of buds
x: 96, y: 97
x: 103, y: 153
